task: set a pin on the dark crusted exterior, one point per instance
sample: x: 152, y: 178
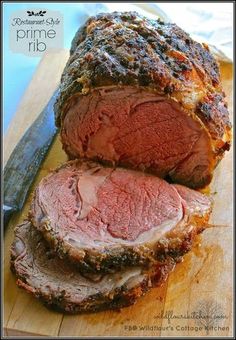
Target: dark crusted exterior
x: 92, y: 261
x: 35, y: 266
x: 129, y: 49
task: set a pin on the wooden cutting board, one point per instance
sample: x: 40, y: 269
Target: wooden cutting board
x: 202, y: 282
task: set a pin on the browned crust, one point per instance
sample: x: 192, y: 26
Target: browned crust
x: 109, y: 260
x: 97, y: 303
x: 120, y: 297
x: 129, y: 49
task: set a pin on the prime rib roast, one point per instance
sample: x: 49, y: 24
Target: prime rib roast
x: 63, y: 288
x: 144, y: 121
x: 104, y: 218
x: 142, y: 94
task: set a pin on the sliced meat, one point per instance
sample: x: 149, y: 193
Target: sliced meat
x: 142, y: 94
x: 104, y: 218
x: 61, y: 287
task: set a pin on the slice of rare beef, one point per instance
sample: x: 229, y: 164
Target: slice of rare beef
x: 142, y: 94
x: 104, y: 218
x: 61, y: 287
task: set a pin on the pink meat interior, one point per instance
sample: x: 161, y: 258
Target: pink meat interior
x: 104, y: 205
x: 139, y: 129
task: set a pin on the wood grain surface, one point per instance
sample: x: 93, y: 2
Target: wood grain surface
x: 203, y: 281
